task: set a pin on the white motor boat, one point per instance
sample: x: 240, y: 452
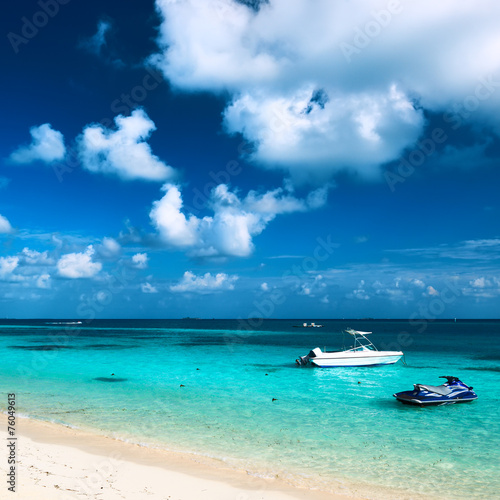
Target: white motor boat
x: 362, y: 353
x: 306, y: 325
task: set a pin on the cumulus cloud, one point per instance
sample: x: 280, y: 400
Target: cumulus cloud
x: 480, y: 283
x: 7, y: 266
x: 204, y: 284
x: 309, y: 141
x: 418, y: 283
x: 483, y: 287
x: 235, y: 221
x: 33, y: 257
x: 47, y: 145
x: 398, y: 289
x: 359, y: 293
x: 148, y: 288
x: 109, y: 248
x: 43, y: 281
x: 78, y: 265
x: 311, y: 287
x: 123, y: 152
x: 29, y: 267
x: 5, y: 226
x: 323, y: 89
x: 431, y: 291
x: 140, y: 260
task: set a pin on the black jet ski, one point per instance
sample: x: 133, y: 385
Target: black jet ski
x: 452, y: 391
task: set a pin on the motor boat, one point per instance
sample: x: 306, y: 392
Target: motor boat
x: 362, y: 353
x: 452, y: 391
x: 308, y: 325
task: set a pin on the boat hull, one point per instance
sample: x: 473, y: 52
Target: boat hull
x: 355, y: 359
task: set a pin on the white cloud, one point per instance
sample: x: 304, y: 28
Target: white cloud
x: 395, y: 292
x: 480, y: 283
x: 109, y: 248
x: 47, y: 145
x: 203, y: 46
x: 482, y: 287
x: 78, y: 265
x: 431, y: 291
x: 123, y: 152
x: 317, y: 109
x: 397, y: 289
x: 27, y: 263
x: 7, y: 266
x: 359, y: 293
x: 264, y: 287
x: 33, y: 257
x: 418, y: 283
x: 356, y: 132
x: 140, y: 260
x: 311, y: 287
x: 148, y: 288
x: 43, y: 281
x: 234, y: 223
x: 5, y: 226
x: 204, y: 284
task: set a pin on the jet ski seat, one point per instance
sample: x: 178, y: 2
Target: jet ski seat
x: 438, y: 389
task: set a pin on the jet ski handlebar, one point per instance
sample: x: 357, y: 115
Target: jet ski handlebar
x: 452, y: 380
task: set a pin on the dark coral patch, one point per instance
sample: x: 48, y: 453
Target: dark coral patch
x: 41, y: 347
x: 110, y: 379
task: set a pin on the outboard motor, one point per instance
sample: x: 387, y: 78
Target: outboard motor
x: 304, y: 360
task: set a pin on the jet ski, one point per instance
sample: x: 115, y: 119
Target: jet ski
x: 452, y: 391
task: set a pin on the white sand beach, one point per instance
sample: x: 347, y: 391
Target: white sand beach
x: 55, y: 462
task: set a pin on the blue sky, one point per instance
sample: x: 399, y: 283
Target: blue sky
x: 223, y: 158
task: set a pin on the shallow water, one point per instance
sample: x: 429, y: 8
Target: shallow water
x: 208, y: 387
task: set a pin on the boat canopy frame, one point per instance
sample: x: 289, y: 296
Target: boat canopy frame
x: 360, y: 341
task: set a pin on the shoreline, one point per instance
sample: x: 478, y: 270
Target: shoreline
x: 56, y: 462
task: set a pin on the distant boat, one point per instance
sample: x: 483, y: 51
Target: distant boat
x: 310, y: 325
x: 362, y: 353
x: 64, y: 323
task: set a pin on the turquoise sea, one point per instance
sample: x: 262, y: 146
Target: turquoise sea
x: 207, y: 387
